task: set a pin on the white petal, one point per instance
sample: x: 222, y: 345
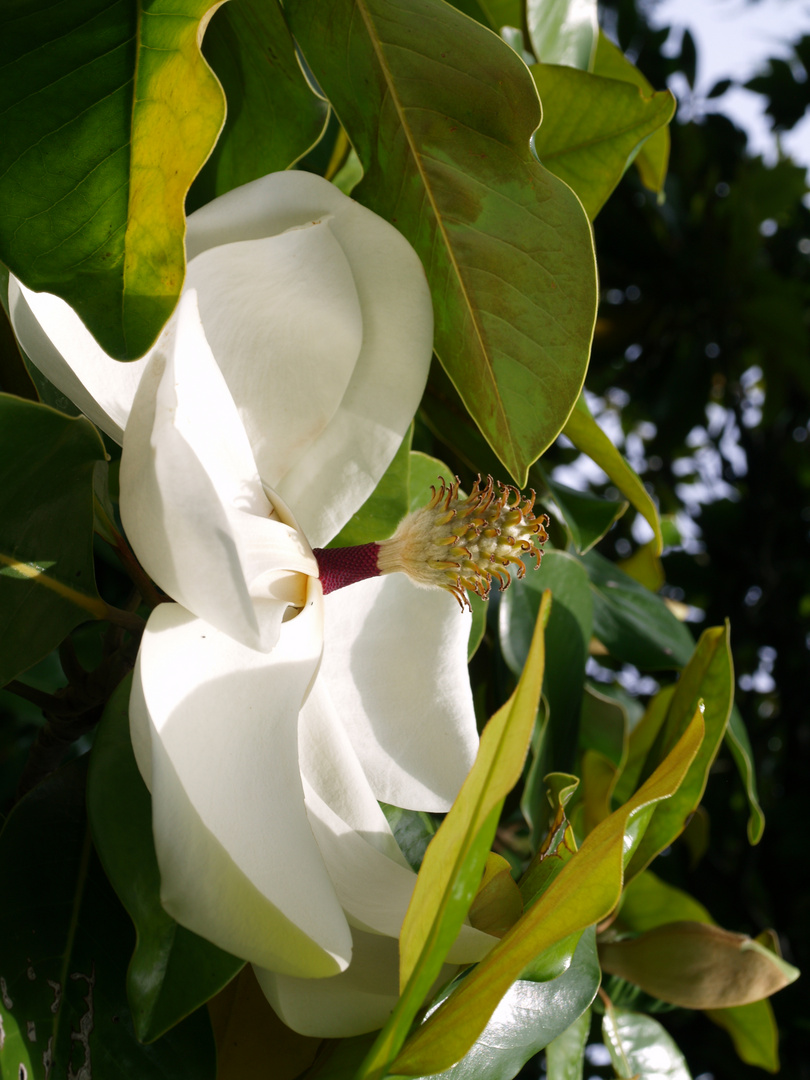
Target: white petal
x: 342, y: 466
x: 215, y: 730
x: 283, y: 320
x: 60, y: 345
x: 192, y: 503
x: 395, y: 668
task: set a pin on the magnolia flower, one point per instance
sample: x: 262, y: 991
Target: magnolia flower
x: 269, y: 719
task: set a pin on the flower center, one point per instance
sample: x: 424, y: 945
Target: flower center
x: 458, y: 544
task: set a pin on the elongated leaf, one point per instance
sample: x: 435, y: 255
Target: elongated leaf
x: 583, y: 892
x: 273, y: 115
x: 633, y: 624
x: 653, y: 158
x: 708, y: 678
x: 587, y: 436
x: 64, y: 945
x: 753, y: 1031
x: 640, y: 1047
x: 641, y: 741
x: 593, y: 128
x: 528, y: 1017
x: 47, y: 582
x: 109, y: 112
x: 442, y: 126
x: 567, y: 642
x: 455, y: 858
x: 387, y: 505
x: 563, y: 31
x: 698, y: 966
x: 740, y: 746
x: 172, y: 971
x: 566, y: 1055
x: 249, y: 1035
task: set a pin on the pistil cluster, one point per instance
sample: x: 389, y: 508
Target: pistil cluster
x: 466, y: 544
x: 462, y: 544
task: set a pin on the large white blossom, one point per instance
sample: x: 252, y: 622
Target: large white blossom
x: 267, y: 719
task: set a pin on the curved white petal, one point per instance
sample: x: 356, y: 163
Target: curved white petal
x: 56, y: 340
x: 192, y: 503
x: 395, y: 669
x: 358, y: 1000
x: 214, y: 726
x: 332, y: 478
x: 283, y: 320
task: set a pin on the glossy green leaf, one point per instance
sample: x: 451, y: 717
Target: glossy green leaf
x: 698, y: 966
x: 172, y: 970
x: 582, y: 894
x: 413, y: 830
x: 109, y: 113
x: 387, y: 505
x: 603, y: 727
x: 64, y: 947
x: 47, y: 581
x: 565, y: 1056
x: 587, y: 517
x: 653, y: 158
x: 14, y: 376
x: 528, y: 1017
x: 640, y: 1047
x: 740, y: 746
x: 641, y: 741
x: 587, y: 436
x: 563, y: 31
x: 442, y: 127
x: 274, y: 117
x: 593, y: 128
x: 645, y: 567
x: 648, y: 902
x: 634, y: 625
x: 707, y: 678
x: 753, y: 1031
x: 454, y: 861
x: 569, y: 633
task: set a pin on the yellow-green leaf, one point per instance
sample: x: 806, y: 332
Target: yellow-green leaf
x: 698, y: 966
x: 593, y: 127
x: 587, y: 436
x: 740, y: 746
x: 648, y: 902
x: 653, y: 158
x: 455, y: 858
x: 753, y: 1031
x: 707, y: 678
x: 587, y: 888
x: 109, y: 112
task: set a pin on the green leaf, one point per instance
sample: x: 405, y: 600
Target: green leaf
x: 47, y: 581
x: 585, y: 890
x: 413, y: 830
x: 640, y: 1047
x: 587, y: 436
x: 593, y: 128
x: 569, y: 633
x: 708, y: 682
x: 110, y: 111
x: 454, y: 861
x: 698, y: 966
x: 529, y: 1017
x: 653, y: 158
x: 603, y: 727
x: 753, y: 1031
x: 442, y: 127
x: 172, y: 971
x: 633, y: 624
x: 274, y: 117
x: 642, y: 738
x: 563, y: 31
x: 587, y: 517
x: 648, y: 902
x: 64, y: 947
x: 565, y: 1056
x: 740, y: 746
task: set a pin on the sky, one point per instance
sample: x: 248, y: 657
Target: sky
x: 735, y: 39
